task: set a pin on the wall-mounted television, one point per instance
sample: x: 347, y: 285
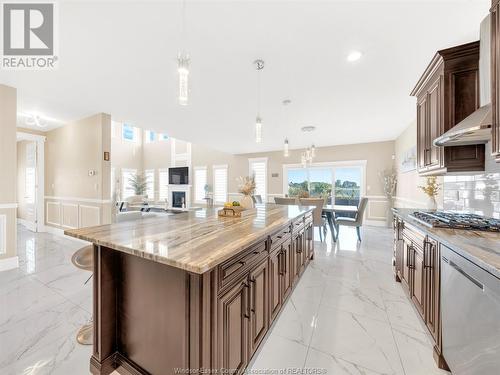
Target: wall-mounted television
x: 178, y: 176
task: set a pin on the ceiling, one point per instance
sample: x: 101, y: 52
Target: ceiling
x: 120, y: 58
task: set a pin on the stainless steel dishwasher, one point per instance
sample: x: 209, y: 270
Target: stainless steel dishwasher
x: 470, y: 314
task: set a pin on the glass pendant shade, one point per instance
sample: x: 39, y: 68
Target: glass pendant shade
x: 183, y: 70
x: 258, y: 130
x: 286, y: 151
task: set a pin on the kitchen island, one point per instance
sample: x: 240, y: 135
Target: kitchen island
x: 193, y: 292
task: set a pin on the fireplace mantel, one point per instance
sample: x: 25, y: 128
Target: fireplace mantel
x: 179, y: 188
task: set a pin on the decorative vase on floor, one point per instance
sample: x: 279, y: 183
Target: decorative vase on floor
x: 247, y: 202
x: 432, y: 204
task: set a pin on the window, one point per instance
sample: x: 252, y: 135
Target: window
x: 128, y: 132
x: 341, y: 182
x: 29, y: 188
x: 150, y: 136
x: 163, y: 137
x: 200, y: 180
x: 220, y: 183
x: 163, y: 184
x: 258, y: 168
x: 127, y: 189
x: 150, y: 180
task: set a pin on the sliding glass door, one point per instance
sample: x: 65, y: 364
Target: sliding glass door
x: 340, y: 183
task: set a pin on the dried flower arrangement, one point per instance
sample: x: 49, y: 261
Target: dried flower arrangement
x: 246, y: 185
x: 389, y: 179
x: 432, y: 187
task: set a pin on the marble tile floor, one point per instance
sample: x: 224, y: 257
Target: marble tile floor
x: 346, y: 316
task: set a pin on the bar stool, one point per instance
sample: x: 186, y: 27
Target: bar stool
x: 84, y: 259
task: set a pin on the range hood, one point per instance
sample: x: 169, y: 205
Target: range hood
x: 475, y: 128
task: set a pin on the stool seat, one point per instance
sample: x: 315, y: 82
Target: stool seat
x: 84, y: 258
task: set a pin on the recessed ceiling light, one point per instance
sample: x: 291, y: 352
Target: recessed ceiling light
x: 308, y: 128
x: 354, y: 56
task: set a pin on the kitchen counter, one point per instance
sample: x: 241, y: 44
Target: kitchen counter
x: 193, y: 241
x: 193, y: 292
x: 480, y: 247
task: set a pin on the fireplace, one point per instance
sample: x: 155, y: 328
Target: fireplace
x: 179, y: 199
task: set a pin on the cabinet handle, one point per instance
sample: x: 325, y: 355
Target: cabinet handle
x: 427, y: 247
x: 242, y: 262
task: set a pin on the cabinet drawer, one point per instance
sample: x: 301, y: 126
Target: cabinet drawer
x: 414, y: 236
x: 298, y: 225
x: 279, y: 237
x: 232, y: 268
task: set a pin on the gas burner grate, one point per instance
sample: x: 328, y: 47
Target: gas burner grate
x: 444, y: 219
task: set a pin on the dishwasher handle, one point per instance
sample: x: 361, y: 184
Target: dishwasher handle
x: 465, y: 274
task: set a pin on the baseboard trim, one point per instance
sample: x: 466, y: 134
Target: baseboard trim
x: 60, y: 232
x: 9, y: 263
x: 375, y: 223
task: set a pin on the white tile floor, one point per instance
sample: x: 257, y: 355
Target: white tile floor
x: 346, y: 315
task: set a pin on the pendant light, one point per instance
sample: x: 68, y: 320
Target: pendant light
x: 183, y: 62
x: 286, y: 148
x: 259, y: 65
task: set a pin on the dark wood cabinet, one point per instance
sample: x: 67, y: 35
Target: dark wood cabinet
x: 274, y: 283
x: 299, y: 254
x: 259, y: 313
x: 432, y: 274
x: 495, y: 78
x: 447, y: 92
x: 286, y: 269
x: 233, y: 315
x: 417, y: 287
x: 417, y: 267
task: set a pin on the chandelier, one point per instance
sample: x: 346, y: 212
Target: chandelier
x: 308, y: 156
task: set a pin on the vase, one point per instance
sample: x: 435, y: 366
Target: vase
x: 432, y: 204
x: 247, y: 202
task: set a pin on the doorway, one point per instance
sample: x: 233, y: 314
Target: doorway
x: 30, y: 181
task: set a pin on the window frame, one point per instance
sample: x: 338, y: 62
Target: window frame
x: 266, y: 177
x: 214, y: 168
x: 195, y: 169
x: 147, y: 138
x: 161, y: 135
x: 134, y: 135
x: 160, y: 172
x: 333, y: 165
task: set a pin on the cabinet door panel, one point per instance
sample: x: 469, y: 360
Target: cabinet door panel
x: 417, y: 285
x: 405, y: 276
x: 233, y: 327
x: 422, y: 124
x: 259, y: 287
x: 435, y: 127
x: 287, y: 273
x: 274, y: 283
x: 432, y: 277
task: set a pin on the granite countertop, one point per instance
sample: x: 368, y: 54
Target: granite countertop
x: 193, y: 241
x: 481, y: 248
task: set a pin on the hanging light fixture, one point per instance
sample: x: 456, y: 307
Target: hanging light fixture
x: 309, y: 154
x: 286, y: 149
x: 183, y: 62
x: 259, y: 65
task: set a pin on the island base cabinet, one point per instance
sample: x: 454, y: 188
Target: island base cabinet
x: 151, y: 318
x: 233, y: 316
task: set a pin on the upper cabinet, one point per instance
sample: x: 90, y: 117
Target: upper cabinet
x: 495, y: 78
x: 447, y: 92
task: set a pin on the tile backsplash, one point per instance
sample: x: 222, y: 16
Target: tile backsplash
x: 475, y: 193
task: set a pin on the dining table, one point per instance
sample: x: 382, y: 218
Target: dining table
x: 330, y: 210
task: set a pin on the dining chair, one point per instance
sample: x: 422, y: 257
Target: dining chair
x: 257, y: 198
x: 286, y: 201
x: 356, y: 221
x: 318, y: 219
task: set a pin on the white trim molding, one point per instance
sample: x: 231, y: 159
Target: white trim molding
x: 76, y: 199
x: 8, y: 205
x: 9, y: 263
x: 3, y: 234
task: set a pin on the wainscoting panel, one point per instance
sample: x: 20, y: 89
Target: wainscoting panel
x: 53, y: 213
x: 89, y: 216
x: 3, y: 234
x: 69, y: 215
x: 377, y: 209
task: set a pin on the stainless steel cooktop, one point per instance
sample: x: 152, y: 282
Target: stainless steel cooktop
x: 445, y: 219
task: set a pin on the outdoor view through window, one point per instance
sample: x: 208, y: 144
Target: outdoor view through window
x: 318, y: 182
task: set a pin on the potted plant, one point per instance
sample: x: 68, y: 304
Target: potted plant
x: 431, y: 189
x: 139, y: 183
x: 247, y: 187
